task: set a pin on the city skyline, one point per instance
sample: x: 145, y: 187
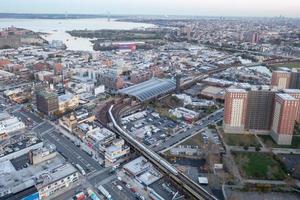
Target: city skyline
x: 268, y: 8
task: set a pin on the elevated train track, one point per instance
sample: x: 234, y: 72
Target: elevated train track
x: 188, y: 185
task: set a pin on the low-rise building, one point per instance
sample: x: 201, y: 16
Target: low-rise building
x: 67, y: 101
x: 10, y: 125
x: 50, y: 182
x: 116, y: 152
x: 19, y: 148
x: 37, y: 156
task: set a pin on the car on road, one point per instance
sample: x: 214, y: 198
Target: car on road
x: 120, y: 187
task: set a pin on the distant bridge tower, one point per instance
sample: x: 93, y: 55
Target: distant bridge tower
x: 108, y: 16
x: 66, y: 15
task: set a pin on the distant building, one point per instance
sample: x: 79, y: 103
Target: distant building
x: 111, y: 81
x: 285, y: 115
x: 281, y: 79
x: 58, y: 69
x: 235, y: 110
x: 295, y: 80
x: 47, y: 102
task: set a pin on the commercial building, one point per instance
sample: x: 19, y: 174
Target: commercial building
x: 67, y: 101
x: 19, y: 148
x: 56, y: 179
x: 285, y: 115
x: 40, y: 155
x: 47, y: 102
x: 235, y: 110
x: 116, y: 152
x: 111, y: 80
x: 72, y: 120
x: 10, y: 125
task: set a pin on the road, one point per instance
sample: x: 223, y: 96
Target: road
x: 179, y: 137
x: 71, y: 152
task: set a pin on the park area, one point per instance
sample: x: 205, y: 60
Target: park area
x: 261, y: 166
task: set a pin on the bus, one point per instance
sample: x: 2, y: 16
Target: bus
x: 103, y: 191
x: 81, y: 170
x: 92, y: 195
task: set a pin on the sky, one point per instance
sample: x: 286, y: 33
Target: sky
x: 259, y: 8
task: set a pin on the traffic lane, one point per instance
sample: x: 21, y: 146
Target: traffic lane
x: 42, y: 128
x: 69, y: 155
x: 75, y: 149
x: 95, y: 179
x: 72, y: 152
x: 32, y: 116
x: 124, y: 194
x: 24, y: 119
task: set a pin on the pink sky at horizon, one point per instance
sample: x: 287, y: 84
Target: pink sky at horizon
x: 268, y: 8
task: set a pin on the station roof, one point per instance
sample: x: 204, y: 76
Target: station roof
x: 150, y: 89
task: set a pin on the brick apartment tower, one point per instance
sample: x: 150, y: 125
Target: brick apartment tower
x: 281, y: 79
x: 235, y: 110
x: 296, y: 94
x: 285, y: 114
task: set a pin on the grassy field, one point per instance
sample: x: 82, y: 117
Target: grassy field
x: 289, y: 65
x: 269, y: 142
x: 196, y: 140
x: 240, y: 140
x: 259, y: 166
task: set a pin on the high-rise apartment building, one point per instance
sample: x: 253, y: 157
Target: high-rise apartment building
x: 281, y: 79
x: 296, y: 94
x: 295, y: 79
x: 262, y: 112
x: 259, y: 110
x: 235, y: 110
x: 47, y: 102
x: 285, y: 114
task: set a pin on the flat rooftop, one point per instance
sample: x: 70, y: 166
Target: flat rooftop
x: 19, y: 145
x: 14, y: 181
x: 286, y: 97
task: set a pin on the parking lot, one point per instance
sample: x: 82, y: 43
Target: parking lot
x: 150, y: 128
x: 211, y: 135
x: 166, y: 190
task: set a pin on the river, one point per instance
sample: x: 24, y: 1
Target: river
x: 56, y: 29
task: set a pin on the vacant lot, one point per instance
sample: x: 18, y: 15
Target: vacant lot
x: 269, y: 142
x: 196, y: 140
x: 259, y: 166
